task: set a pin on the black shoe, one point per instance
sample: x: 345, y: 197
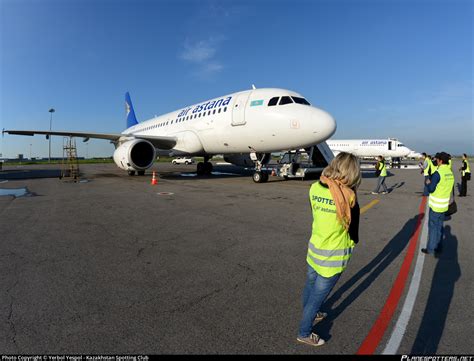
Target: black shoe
x: 424, y: 250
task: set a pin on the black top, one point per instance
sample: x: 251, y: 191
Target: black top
x: 355, y: 219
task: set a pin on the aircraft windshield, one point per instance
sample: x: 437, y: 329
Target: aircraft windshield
x: 285, y: 100
x: 299, y: 100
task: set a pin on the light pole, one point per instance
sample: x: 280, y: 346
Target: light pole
x: 51, y: 111
x: 30, y: 151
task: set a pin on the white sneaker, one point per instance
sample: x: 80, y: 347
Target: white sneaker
x: 374, y: 193
x: 312, y: 340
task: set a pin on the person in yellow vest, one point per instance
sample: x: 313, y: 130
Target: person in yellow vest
x: 440, y: 187
x: 465, y: 175
x: 381, y: 170
x: 335, y: 232
x: 428, y: 169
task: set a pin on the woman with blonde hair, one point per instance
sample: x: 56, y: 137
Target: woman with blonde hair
x: 334, y: 234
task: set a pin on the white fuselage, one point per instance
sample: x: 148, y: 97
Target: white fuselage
x: 388, y: 148
x: 241, y: 122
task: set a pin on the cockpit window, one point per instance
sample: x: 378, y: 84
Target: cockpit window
x: 299, y: 100
x: 401, y: 145
x: 273, y: 101
x: 285, y: 100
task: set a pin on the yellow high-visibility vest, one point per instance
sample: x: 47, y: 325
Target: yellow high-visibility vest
x: 468, y: 169
x: 439, y: 199
x: 330, y: 246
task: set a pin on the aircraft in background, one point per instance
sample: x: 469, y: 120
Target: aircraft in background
x: 246, y: 127
x: 414, y: 155
x: 388, y: 148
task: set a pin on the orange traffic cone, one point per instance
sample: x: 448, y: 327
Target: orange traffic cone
x: 154, y: 180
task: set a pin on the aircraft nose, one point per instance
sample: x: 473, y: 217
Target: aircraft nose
x: 324, y: 124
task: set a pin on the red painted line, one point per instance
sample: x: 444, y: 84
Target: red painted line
x: 369, y: 345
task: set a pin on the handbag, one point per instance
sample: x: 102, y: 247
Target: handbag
x: 452, y: 208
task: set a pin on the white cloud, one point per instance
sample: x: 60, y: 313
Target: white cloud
x: 202, y: 54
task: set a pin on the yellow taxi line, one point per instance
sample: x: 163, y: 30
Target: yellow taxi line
x: 368, y: 206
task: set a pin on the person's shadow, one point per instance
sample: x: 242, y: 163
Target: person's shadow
x: 371, y: 271
x: 446, y: 274
x: 395, y: 186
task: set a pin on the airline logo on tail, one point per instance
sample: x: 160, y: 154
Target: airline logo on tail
x: 129, y: 112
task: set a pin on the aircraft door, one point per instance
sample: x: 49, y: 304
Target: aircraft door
x: 390, y: 146
x: 238, y: 111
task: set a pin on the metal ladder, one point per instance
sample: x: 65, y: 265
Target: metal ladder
x: 70, y: 165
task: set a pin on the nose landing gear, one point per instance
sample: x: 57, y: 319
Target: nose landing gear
x: 260, y: 176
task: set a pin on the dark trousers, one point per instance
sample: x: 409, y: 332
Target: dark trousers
x: 463, y: 186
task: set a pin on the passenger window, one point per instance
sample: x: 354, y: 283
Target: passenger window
x: 285, y: 100
x: 219, y: 110
x: 209, y: 112
x: 214, y: 111
x: 225, y: 109
x: 273, y: 101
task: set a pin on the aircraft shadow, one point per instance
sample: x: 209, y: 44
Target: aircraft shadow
x: 217, y: 172
x: 446, y: 274
x: 336, y: 304
x: 29, y: 173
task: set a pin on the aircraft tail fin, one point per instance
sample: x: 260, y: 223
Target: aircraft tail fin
x: 131, y: 118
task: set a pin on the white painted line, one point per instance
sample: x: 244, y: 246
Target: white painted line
x: 402, y: 322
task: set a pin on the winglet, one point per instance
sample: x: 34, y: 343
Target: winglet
x: 131, y: 118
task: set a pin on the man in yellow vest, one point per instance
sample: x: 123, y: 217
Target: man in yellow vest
x: 465, y: 175
x: 428, y: 169
x: 440, y: 187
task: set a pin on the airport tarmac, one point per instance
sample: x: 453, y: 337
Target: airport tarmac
x: 216, y: 265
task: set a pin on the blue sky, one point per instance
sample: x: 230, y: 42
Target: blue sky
x: 382, y: 68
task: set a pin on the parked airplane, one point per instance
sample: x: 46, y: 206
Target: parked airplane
x: 246, y: 127
x: 388, y: 148
x: 414, y: 155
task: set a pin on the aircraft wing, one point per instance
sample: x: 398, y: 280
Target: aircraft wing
x: 109, y: 136
x: 161, y: 142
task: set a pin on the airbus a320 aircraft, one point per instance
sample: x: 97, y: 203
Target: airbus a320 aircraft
x: 388, y: 148
x: 246, y: 127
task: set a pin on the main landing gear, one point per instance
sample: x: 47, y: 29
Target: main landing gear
x: 139, y: 172
x: 260, y: 176
x: 204, y: 168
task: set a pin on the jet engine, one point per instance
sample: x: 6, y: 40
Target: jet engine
x: 241, y: 160
x: 137, y: 154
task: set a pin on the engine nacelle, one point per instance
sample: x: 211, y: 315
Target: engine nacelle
x: 137, y: 154
x: 241, y: 160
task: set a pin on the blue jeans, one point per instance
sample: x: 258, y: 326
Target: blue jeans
x: 381, y: 183
x: 315, y: 292
x: 435, y: 230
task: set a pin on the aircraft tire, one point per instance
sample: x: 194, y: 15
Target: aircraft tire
x: 259, y: 177
x: 141, y: 172
x: 208, y: 168
x: 131, y: 172
x: 200, y: 168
